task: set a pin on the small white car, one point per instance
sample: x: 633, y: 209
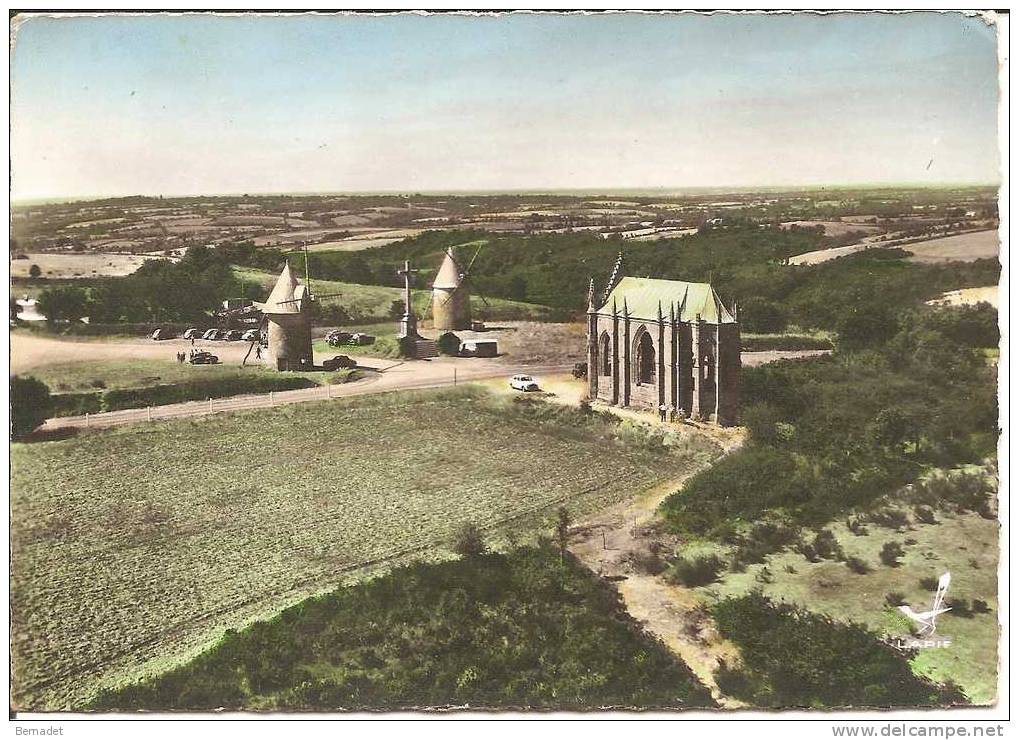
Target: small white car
x: 523, y: 383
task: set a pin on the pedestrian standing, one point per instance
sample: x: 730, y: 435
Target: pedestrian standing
x: 663, y: 410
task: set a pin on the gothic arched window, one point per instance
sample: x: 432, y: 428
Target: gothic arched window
x: 605, y: 354
x: 645, y: 359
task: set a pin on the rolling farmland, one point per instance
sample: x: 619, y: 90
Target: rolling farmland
x: 135, y: 548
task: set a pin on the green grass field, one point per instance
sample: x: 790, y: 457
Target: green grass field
x: 373, y: 302
x: 964, y: 544
x: 135, y: 548
x: 69, y: 377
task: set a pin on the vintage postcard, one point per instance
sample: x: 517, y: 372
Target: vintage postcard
x: 512, y: 362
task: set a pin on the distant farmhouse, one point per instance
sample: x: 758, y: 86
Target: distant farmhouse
x: 653, y: 343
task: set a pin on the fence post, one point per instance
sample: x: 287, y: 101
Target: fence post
x: 454, y: 377
x: 210, y: 404
x: 329, y: 390
x: 272, y: 401
x: 148, y: 413
x: 86, y: 419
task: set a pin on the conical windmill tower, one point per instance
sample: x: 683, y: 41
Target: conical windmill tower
x: 451, y: 297
x: 287, y: 312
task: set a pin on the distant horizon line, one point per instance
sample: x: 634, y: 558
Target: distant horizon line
x: 592, y: 191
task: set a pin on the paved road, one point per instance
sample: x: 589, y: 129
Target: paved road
x: 385, y: 376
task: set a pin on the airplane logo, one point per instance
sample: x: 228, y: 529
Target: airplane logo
x: 926, y: 620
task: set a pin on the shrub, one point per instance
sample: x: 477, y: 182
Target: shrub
x: 890, y: 518
x: 469, y: 542
x: 30, y: 405
x: 981, y: 607
x: 763, y: 539
x: 856, y: 526
x: 857, y: 565
x: 448, y: 344
x: 929, y: 583
x: 796, y: 658
x: 959, y: 607
x: 826, y: 546
x: 890, y: 554
x: 895, y: 599
x: 924, y: 514
x: 697, y: 571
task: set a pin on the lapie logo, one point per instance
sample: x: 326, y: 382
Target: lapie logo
x: 926, y: 621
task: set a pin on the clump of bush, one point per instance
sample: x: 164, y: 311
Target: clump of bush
x: 30, y: 405
x: 890, y: 518
x: 795, y: 658
x: 857, y: 565
x: 824, y: 546
x: 959, y: 607
x: 448, y: 343
x: 469, y: 541
x: 763, y: 539
x: 890, y: 554
x: 929, y: 583
x: 856, y: 526
x: 895, y: 598
x: 924, y: 514
x: 981, y: 607
x: 699, y: 570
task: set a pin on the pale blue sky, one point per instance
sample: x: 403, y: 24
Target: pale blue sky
x: 205, y: 104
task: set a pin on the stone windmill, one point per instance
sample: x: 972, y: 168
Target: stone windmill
x: 451, y: 297
x: 287, y: 312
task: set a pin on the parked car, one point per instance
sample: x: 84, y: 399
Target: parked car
x: 524, y: 383
x: 203, y: 358
x: 211, y: 334
x: 337, y: 338
x: 232, y: 336
x: 193, y: 333
x: 362, y: 339
x: 251, y: 335
x: 338, y: 362
x: 161, y: 334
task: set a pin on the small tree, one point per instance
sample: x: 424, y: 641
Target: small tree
x: 34, y: 272
x: 890, y: 554
x: 469, y: 542
x: 30, y: 405
x: 448, y: 344
x: 562, y: 531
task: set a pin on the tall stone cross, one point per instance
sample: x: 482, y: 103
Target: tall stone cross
x: 409, y: 322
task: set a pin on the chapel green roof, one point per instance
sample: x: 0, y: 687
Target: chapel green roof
x: 643, y: 296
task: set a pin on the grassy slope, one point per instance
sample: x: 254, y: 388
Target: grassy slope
x: 135, y: 547
x: 964, y: 544
x: 374, y: 301
x: 515, y: 630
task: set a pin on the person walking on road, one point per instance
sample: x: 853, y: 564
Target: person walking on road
x: 258, y: 352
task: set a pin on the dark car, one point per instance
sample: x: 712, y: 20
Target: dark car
x: 251, y: 335
x: 233, y: 335
x: 339, y: 362
x: 211, y: 334
x: 193, y: 333
x: 338, y: 338
x: 160, y: 334
x: 203, y: 358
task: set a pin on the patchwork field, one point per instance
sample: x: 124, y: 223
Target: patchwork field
x: 960, y: 248
x: 78, y: 265
x: 135, y: 548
